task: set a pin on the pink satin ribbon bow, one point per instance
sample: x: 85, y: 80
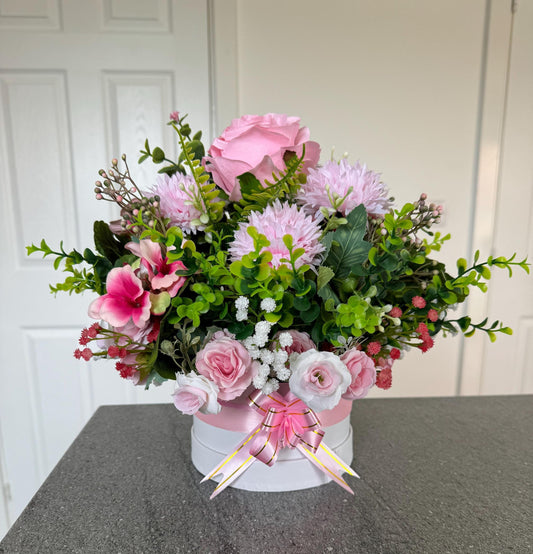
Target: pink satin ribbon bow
x: 287, y: 423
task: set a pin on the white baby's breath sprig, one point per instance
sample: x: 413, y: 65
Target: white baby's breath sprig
x: 270, y: 386
x: 268, y: 305
x: 283, y: 373
x: 285, y: 339
x: 259, y: 381
x: 242, y: 303
x: 267, y: 356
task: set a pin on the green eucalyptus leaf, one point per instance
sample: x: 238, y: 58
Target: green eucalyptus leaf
x: 158, y: 155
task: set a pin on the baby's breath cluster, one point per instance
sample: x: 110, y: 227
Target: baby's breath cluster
x: 271, y: 355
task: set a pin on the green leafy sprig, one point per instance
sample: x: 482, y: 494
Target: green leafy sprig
x: 81, y: 279
x: 256, y: 195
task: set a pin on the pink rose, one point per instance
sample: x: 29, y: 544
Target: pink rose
x: 301, y: 342
x: 257, y: 144
x: 221, y: 333
x: 319, y: 379
x: 226, y: 362
x: 363, y: 373
x: 195, y: 392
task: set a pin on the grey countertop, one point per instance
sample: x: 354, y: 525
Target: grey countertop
x: 438, y: 475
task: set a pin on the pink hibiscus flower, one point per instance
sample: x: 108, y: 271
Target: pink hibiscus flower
x: 125, y: 300
x: 162, y: 275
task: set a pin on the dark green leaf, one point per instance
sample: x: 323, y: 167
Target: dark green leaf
x: 311, y: 314
x: 327, y: 293
x: 169, y: 169
x: 345, y: 246
x: 197, y: 149
x: 158, y: 155
x: 106, y: 243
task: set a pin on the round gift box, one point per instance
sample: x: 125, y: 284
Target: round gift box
x: 213, y: 437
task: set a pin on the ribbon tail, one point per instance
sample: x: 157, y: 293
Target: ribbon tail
x: 226, y: 481
x: 233, y: 464
x: 327, y: 461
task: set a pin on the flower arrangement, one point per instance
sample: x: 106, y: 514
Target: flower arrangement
x: 253, y: 265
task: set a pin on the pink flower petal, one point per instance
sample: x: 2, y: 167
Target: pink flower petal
x: 115, y: 310
x: 122, y: 281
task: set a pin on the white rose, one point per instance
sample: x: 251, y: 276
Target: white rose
x: 196, y: 393
x: 319, y: 379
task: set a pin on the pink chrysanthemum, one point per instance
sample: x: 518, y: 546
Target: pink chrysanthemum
x: 175, y: 199
x: 334, y: 180
x: 276, y: 221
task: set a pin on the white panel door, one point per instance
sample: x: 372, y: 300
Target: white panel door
x: 505, y: 367
x: 80, y: 82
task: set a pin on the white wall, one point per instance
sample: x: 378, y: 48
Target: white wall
x: 416, y: 89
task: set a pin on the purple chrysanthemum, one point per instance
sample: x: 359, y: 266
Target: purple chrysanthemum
x: 276, y: 221
x: 333, y: 181
x: 176, y: 194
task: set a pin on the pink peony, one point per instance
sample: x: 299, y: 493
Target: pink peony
x: 195, y: 393
x: 319, y: 379
x: 339, y: 177
x: 301, y: 342
x: 228, y: 364
x: 175, y: 200
x: 162, y: 275
x: 257, y: 144
x: 274, y: 222
x: 125, y: 301
x: 363, y: 373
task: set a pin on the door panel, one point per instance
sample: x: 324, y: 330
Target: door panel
x: 80, y: 83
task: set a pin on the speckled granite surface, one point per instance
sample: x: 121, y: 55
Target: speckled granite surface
x: 438, y: 475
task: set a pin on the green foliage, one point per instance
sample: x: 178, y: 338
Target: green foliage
x: 357, y: 315
x: 80, y: 279
x: 345, y: 247
x: 256, y: 195
x: 157, y: 155
x: 107, y: 244
x: 208, y: 199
